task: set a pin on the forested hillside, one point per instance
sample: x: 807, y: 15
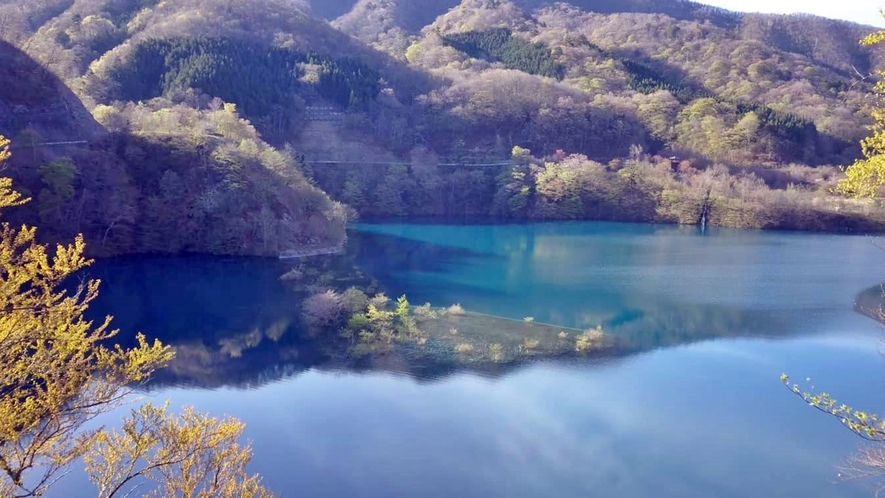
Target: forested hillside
x: 413, y: 15
x: 601, y: 92
x: 827, y: 41
x: 709, y: 90
x: 171, y: 178
x: 264, y: 81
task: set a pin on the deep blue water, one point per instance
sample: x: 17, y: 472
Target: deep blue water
x: 697, y: 411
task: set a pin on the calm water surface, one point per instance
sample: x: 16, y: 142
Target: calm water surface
x: 696, y: 411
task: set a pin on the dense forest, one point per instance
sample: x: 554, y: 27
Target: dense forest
x: 264, y: 81
x: 232, y: 118
x: 513, y: 52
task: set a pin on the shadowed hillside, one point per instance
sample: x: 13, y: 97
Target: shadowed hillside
x: 35, y: 106
x: 829, y: 42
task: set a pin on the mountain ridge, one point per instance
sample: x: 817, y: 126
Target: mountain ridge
x: 110, y: 30
x: 660, y: 103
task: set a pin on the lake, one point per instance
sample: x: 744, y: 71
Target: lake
x: 694, y: 409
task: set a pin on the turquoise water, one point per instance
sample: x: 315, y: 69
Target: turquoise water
x: 697, y: 411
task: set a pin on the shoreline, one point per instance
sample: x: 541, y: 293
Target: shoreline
x: 492, y: 221
x: 313, y: 251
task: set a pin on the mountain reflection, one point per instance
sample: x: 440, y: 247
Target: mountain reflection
x: 547, y: 280
x: 233, y: 322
